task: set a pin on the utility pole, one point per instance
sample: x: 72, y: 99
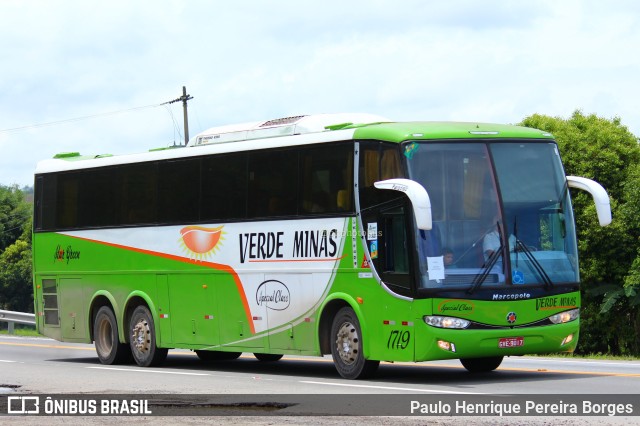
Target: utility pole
x: 184, y: 98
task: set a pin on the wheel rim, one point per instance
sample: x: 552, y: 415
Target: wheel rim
x: 348, y: 343
x: 141, y: 336
x: 104, y: 339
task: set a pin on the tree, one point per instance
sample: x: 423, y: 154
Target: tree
x: 16, y: 289
x: 604, y: 150
x: 14, y: 212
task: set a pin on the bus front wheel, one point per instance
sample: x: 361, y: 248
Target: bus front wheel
x: 346, y: 346
x: 105, y: 334
x: 482, y: 365
x: 143, y: 339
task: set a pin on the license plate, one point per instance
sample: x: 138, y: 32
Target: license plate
x: 511, y: 342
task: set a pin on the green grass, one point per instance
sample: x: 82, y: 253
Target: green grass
x: 598, y: 356
x: 27, y: 331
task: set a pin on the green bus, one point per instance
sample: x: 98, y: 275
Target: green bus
x: 342, y: 234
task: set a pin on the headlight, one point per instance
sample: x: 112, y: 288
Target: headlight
x: 445, y: 322
x: 565, y: 316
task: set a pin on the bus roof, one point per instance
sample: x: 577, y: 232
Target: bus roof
x: 367, y: 126
x: 425, y: 130
x: 299, y: 130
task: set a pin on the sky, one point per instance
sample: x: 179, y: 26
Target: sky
x: 91, y: 76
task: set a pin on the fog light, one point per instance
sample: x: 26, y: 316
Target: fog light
x: 447, y: 346
x: 567, y: 339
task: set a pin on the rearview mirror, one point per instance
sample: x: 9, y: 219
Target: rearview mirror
x: 417, y: 195
x: 600, y: 196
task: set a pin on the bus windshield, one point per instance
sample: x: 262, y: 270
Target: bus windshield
x: 491, y: 202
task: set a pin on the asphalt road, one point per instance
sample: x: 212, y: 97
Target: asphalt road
x: 44, y: 366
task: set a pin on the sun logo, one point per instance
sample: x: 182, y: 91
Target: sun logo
x: 200, y: 242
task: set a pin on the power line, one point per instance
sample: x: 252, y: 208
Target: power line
x: 176, y: 129
x: 71, y: 120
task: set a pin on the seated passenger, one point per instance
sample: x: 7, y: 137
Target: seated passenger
x: 491, y: 242
x: 448, y: 258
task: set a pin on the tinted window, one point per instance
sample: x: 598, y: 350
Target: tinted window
x: 327, y: 179
x: 224, y: 187
x: 293, y: 182
x: 378, y: 162
x: 97, y: 196
x: 137, y: 187
x: 179, y: 191
x: 273, y: 183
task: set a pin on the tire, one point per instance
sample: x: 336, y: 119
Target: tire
x: 211, y: 356
x: 105, y: 334
x: 346, y: 347
x: 267, y: 357
x: 482, y: 365
x: 142, y: 334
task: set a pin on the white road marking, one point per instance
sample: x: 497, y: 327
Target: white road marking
x: 582, y: 361
x: 391, y: 388
x: 138, y: 370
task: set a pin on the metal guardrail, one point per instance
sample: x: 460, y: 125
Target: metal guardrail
x: 17, y: 317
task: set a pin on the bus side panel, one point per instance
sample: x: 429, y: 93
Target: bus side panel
x: 164, y: 309
x: 47, y: 312
x: 298, y: 332
x: 194, y: 316
x: 72, y: 304
x: 387, y: 328
x: 237, y: 329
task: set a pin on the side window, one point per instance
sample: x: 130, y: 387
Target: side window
x: 179, y: 191
x: 97, y: 198
x: 224, y: 187
x: 273, y: 183
x: 46, y: 192
x: 378, y: 161
x: 326, y: 176
x: 67, y: 200
x: 76, y: 199
x: 394, y: 235
x: 137, y: 186
x: 42, y: 204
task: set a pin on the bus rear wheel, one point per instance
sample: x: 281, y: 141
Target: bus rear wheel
x: 267, y: 357
x: 211, y: 356
x: 143, y: 339
x: 105, y: 333
x: 482, y: 365
x: 346, y: 346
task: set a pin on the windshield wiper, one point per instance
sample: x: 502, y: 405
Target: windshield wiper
x: 490, y: 263
x: 520, y: 247
x: 536, y: 265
